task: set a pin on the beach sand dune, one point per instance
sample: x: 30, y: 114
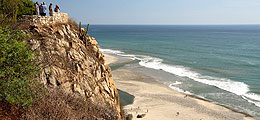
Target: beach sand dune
x: 159, y: 102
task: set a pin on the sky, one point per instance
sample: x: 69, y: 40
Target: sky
x: 161, y: 11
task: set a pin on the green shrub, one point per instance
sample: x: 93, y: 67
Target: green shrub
x: 17, y: 69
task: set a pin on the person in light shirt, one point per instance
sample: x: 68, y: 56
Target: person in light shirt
x: 44, y: 9
x: 37, y: 10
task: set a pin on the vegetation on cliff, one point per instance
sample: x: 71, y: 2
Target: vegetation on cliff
x: 18, y: 89
x: 10, y: 10
x: 17, y: 69
x: 57, y: 104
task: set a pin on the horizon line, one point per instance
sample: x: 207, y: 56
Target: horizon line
x: 173, y: 24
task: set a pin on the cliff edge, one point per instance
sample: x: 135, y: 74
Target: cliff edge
x: 72, y: 65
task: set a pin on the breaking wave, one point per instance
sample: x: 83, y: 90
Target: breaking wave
x: 238, y: 88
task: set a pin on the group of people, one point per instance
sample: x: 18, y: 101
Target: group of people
x: 42, y: 9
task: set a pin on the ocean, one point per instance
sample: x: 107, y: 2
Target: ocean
x: 220, y: 63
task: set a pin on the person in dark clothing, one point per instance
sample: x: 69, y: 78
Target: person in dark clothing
x: 50, y: 10
x: 41, y: 10
x: 57, y: 9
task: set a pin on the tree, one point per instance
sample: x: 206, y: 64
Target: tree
x: 8, y: 11
x: 12, y: 9
x: 25, y: 7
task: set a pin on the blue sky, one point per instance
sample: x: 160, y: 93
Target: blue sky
x: 161, y: 11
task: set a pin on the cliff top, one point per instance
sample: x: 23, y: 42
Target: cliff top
x: 46, y: 20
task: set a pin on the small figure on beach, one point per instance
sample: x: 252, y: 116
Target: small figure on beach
x: 177, y: 114
x: 57, y: 9
x: 50, y: 10
x: 37, y: 9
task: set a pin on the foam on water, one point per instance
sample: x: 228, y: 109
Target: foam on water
x: 238, y: 88
x: 252, y: 98
x: 179, y: 90
x: 111, y: 51
x: 177, y: 83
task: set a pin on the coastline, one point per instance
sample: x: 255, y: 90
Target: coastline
x: 161, y: 102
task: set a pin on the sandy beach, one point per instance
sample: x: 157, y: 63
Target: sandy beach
x: 161, y: 103
x: 158, y: 102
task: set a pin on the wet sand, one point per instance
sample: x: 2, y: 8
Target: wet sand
x: 110, y: 59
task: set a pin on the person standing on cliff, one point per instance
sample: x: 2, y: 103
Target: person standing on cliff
x: 50, y: 10
x: 40, y: 9
x: 44, y: 9
x: 37, y: 10
x: 57, y: 9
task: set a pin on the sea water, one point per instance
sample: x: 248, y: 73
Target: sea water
x: 217, y: 62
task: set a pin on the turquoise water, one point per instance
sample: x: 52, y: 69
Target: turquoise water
x: 125, y: 98
x: 218, y: 62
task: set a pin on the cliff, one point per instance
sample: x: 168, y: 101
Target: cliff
x: 72, y: 65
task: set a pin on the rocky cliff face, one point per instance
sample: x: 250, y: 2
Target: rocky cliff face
x: 73, y: 63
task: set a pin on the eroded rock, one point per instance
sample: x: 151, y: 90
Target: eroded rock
x: 75, y: 67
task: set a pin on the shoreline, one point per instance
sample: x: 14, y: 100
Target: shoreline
x: 230, y: 108
x: 126, y: 80
x: 109, y: 59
